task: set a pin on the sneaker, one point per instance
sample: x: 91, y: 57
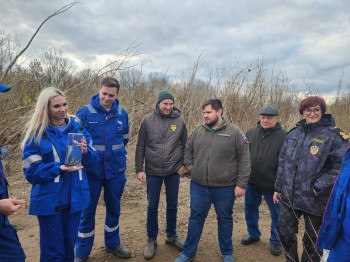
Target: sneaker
x: 175, y: 241
x: 83, y: 259
x: 183, y: 258
x: 248, y: 239
x: 276, y: 249
x: 150, y: 249
x: 121, y: 251
x: 228, y: 258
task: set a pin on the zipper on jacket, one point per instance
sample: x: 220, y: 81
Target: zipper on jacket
x: 105, y: 142
x: 104, y: 153
x: 163, y: 142
x: 296, y: 167
x: 211, y: 141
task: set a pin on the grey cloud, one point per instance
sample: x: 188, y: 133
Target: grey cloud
x: 308, y: 39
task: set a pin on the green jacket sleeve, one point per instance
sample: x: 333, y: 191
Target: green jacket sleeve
x: 243, y: 160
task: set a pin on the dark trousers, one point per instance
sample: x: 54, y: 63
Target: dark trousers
x: 154, y: 185
x: 288, y: 228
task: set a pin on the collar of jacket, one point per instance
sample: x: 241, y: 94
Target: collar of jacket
x: 52, y: 133
x: 173, y: 114
x: 277, y: 126
x: 326, y: 120
x: 68, y: 121
x: 95, y: 102
x: 222, y: 125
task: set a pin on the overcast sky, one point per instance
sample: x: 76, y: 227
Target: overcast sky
x: 309, y: 40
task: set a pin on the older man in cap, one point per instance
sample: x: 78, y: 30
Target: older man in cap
x: 265, y: 143
x: 10, y: 248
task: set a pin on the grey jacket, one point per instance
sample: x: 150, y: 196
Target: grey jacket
x: 218, y: 158
x: 310, y: 160
x: 161, y: 143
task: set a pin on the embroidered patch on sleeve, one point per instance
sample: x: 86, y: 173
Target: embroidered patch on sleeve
x: 245, y: 139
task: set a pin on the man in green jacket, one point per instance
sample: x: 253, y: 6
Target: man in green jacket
x: 161, y: 143
x: 265, y: 143
x: 217, y: 157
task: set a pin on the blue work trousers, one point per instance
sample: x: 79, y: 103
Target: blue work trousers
x: 113, y: 191
x: 10, y: 247
x: 252, y: 203
x: 58, y: 234
x: 201, y: 199
x: 154, y: 185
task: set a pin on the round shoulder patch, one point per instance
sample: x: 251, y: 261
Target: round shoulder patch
x: 245, y: 139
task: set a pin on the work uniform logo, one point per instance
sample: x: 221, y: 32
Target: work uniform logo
x: 314, y: 150
x: 245, y: 139
x: 120, y: 125
x: 173, y: 127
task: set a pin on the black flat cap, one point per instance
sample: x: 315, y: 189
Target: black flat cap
x: 269, y: 111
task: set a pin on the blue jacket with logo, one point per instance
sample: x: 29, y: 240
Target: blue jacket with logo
x: 41, y: 164
x: 310, y: 159
x: 332, y: 226
x: 110, y: 134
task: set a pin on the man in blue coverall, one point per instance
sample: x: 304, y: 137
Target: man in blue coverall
x: 107, y: 123
x: 10, y: 248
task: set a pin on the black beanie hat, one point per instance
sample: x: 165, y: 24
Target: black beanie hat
x: 164, y: 94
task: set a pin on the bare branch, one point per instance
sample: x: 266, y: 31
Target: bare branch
x: 129, y: 52
x: 59, y: 11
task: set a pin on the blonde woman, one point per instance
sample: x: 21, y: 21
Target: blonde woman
x: 59, y: 193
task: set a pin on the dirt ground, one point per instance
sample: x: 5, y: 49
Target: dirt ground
x: 133, y: 227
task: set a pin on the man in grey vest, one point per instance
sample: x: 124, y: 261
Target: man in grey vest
x: 161, y: 144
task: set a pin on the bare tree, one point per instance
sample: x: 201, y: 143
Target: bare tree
x: 59, y: 11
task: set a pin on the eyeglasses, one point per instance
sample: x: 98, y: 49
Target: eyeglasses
x: 316, y: 111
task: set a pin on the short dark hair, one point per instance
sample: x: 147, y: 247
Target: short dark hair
x: 312, y: 101
x: 216, y: 104
x: 110, y: 82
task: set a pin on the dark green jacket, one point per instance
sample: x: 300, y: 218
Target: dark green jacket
x: 219, y: 158
x: 265, y: 146
x: 161, y: 143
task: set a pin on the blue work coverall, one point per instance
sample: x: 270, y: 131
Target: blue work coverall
x: 10, y: 247
x: 110, y: 134
x: 57, y: 197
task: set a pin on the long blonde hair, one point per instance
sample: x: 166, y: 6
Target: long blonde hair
x: 35, y: 127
